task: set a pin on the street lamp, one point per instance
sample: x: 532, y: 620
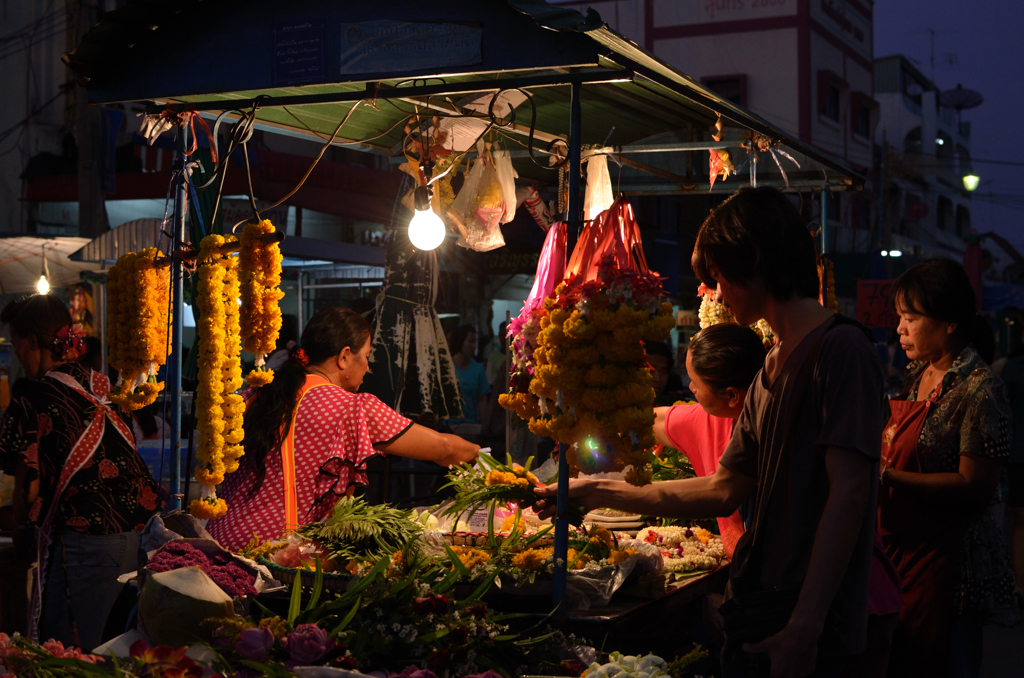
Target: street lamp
x: 971, y: 181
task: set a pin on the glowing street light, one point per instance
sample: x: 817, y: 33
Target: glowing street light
x: 971, y: 181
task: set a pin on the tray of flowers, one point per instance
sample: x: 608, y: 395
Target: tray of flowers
x: 686, y: 551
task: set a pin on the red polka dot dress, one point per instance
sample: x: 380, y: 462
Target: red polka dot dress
x: 335, y: 431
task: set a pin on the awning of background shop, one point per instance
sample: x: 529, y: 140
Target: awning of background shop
x: 142, y: 233
x: 444, y: 54
x: 21, y: 262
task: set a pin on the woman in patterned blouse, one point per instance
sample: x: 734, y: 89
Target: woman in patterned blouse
x: 82, y: 491
x: 942, y: 451
x: 309, y: 433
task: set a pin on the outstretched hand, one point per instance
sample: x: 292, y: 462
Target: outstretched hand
x: 582, y: 491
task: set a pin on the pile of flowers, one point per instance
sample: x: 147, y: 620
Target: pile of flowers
x: 219, y: 409
x: 591, y: 549
x: 591, y: 385
x: 629, y: 666
x: 138, y: 303
x: 260, y: 280
x: 685, y: 549
x: 20, y: 657
x: 221, y: 568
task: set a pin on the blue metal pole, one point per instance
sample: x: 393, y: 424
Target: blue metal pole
x: 824, y: 220
x: 574, y: 221
x: 173, y: 388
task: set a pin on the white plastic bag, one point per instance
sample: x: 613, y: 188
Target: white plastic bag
x: 478, y: 208
x: 599, y: 196
x: 507, y: 178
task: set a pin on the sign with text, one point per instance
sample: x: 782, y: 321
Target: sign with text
x: 386, y: 46
x: 298, y: 54
x: 873, y: 304
x: 674, y: 13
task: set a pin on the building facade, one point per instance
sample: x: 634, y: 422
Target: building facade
x: 806, y: 66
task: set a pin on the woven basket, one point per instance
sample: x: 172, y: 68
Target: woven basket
x: 333, y: 581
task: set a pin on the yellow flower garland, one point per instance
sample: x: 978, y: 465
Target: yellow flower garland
x: 219, y: 409
x: 591, y: 388
x: 138, y: 300
x: 260, y: 279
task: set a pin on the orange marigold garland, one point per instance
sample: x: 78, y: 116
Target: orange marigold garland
x: 138, y: 300
x: 260, y: 280
x: 218, y: 408
x: 591, y: 385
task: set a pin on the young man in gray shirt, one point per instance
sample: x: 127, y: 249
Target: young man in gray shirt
x: 816, y: 446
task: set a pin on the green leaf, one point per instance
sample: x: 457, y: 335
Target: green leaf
x: 318, y: 586
x: 493, y: 665
x: 460, y: 567
x: 434, y: 635
x: 348, y: 617
x: 295, y: 606
x: 484, y: 587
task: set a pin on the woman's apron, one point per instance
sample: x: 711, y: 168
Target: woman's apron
x: 923, y: 538
x: 81, y: 454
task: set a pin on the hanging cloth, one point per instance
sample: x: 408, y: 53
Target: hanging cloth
x: 80, y: 456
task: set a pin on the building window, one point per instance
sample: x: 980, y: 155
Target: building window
x: 730, y: 87
x: 830, y: 95
x: 963, y: 221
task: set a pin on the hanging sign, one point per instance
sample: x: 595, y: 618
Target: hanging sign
x: 298, y: 54
x: 873, y: 308
x: 399, y: 46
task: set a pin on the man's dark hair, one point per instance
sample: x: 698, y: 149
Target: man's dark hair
x: 758, y: 233
x: 662, y: 349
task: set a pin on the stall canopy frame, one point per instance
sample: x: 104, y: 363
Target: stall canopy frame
x: 379, y: 63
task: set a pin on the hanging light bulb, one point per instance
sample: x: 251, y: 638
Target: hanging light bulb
x: 43, y: 284
x: 426, y: 230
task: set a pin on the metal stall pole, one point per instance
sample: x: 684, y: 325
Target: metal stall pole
x: 573, y: 218
x: 824, y: 220
x: 177, y: 292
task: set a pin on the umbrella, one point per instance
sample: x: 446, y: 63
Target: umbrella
x: 410, y: 366
x: 21, y: 262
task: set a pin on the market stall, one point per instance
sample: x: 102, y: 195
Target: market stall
x: 403, y: 79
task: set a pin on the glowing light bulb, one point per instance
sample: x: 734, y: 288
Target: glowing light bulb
x: 43, y: 286
x: 971, y: 181
x: 426, y: 230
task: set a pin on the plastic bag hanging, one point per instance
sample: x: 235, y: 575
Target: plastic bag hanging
x: 479, y: 206
x: 599, y: 196
x: 507, y: 178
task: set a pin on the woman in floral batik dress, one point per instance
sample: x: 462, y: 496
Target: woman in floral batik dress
x: 81, y: 488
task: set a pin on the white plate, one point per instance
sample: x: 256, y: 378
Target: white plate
x: 596, y: 517
x: 616, y: 526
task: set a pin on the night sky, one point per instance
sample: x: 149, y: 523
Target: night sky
x: 979, y: 44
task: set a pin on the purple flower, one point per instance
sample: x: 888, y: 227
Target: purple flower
x: 307, y: 643
x: 255, y: 644
x: 414, y: 672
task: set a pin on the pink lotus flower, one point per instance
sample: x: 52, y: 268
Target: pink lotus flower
x: 255, y: 644
x: 307, y: 643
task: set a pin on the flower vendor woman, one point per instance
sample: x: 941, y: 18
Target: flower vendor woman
x: 309, y: 433
x: 722, y: 362
x: 942, y: 451
x: 79, y: 480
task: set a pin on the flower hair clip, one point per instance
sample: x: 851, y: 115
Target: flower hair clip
x: 70, y: 342
x: 301, y: 357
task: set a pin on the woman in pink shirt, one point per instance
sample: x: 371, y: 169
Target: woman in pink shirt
x: 722, y: 361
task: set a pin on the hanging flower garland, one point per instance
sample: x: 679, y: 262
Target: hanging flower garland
x: 260, y: 279
x: 218, y: 408
x: 713, y: 313
x: 138, y: 300
x: 591, y: 382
